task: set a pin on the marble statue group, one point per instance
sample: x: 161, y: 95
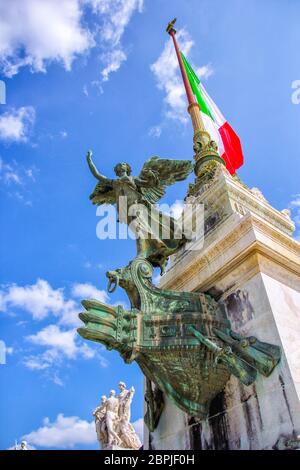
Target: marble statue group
x: 112, y: 420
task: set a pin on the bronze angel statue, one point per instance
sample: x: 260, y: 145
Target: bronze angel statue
x: 157, y: 234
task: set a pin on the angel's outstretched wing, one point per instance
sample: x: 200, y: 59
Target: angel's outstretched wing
x: 158, y: 173
x: 104, y: 192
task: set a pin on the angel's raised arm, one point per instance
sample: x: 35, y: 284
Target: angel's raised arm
x: 94, y: 170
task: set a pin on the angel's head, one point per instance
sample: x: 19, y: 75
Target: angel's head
x: 122, y: 169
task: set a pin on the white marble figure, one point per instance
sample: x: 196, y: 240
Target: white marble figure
x: 126, y: 430
x: 112, y: 418
x: 22, y: 446
x: 112, y: 421
x: 100, y: 422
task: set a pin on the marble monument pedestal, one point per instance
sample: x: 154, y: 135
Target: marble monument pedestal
x: 249, y: 261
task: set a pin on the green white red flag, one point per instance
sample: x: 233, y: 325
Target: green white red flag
x: 221, y: 132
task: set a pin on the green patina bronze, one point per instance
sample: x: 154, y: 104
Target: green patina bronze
x: 182, y: 341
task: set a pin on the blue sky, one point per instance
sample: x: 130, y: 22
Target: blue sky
x: 100, y: 74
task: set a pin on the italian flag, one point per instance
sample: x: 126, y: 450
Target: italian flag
x: 221, y: 132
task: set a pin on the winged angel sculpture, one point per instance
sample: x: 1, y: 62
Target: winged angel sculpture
x: 158, y: 235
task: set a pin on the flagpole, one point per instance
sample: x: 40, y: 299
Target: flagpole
x: 205, y: 148
x: 193, y: 107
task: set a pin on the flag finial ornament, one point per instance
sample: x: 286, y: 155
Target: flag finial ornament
x: 170, y: 26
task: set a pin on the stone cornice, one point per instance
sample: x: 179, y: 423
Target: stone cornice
x: 235, y: 241
x: 223, y: 184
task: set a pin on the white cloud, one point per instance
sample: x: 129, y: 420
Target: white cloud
x: 68, y: 432
x: 115, y: 16
x: 205, y: 71
x: 295, y: 209
x: 16, y: 124
x: 30, y: 173
x: 155, y: 131
x: 139, y: 428
x: 20, y: 197
x: 57, y: 380
x: 59, y: 340
x: 13, y: 173
x: 98, y: 85
x: 168, y: 78
x: 88, y: 291
x: 9, y: 174
x: 60, y: 344
x: 85, y: 90
x: 40, y: 300
x: 156, y: 279
x: 87, y: 265
x: 113, y: 60
x: 175, y: 210
x: 63, y: 433
x: 36, y: 363
x: 55, y: 31
x: 34, y: 33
